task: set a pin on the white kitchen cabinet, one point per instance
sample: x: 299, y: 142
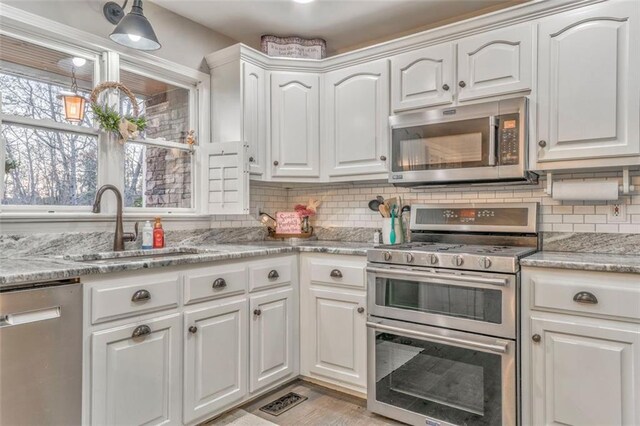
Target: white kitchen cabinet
x: 254, y: 116
x: 333, y: 337
x: 585, y: 372
x: 295, y: 128
x: 216, y: 357
x: 588, y: 86
x: 422, y: 78
x: 271, y: 333
x: 136, y: 380
x: 357, y: 120
x: 495, y: 62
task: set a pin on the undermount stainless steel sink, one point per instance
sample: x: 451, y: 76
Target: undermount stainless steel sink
x: 134, y: 255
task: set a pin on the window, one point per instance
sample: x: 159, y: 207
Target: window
x: 158, y: 169
x: 48, y: 161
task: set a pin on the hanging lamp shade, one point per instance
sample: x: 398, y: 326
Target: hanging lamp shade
x: 135, y: 31
x: 73, y: 107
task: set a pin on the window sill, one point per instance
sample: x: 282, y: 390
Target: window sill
x: 7, y: 217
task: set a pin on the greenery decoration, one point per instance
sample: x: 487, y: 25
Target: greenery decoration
x: 110, y: 120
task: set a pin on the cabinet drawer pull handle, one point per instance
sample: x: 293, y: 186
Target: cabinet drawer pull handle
x: 542, y: 144
x: 141, y: 296
x: 462, y: 84
x: 536, y: 338
x: 586, y: 298
x: 257, y: 312
x: 219, y: 283
x: 336, y: 273
x: 141, y: 331
x: 360, y: 309
x: 273, y: 274
x: 445, y: 87
x: 193, y: 329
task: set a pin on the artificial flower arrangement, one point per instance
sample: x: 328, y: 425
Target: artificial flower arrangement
x: 125, y: 127
x: 305, y: 212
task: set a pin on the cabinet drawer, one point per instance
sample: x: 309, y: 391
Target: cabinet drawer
x: 210, y: 283
x: 271, y: 273
x: 133, y: 296
x: 589, y: 293
x: 336, y: 273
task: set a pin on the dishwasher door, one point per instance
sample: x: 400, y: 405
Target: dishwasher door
x: 41, y: 356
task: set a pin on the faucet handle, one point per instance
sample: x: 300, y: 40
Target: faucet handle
x: 131, y: 236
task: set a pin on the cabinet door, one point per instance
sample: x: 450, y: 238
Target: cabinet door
x: 254, y: 115
x: 295, y: 131
x: 271, y: 337
x: 215, y: 362
x: 495, y: 62
x: 422, y: 78
x: 334, y: 336
x: 136, y: 380
x: 588, y: 85
x: 226, y: 173
x: 585, y: 373
x: 357, y: 114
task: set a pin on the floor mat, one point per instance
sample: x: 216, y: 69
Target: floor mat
x: 282, y: 404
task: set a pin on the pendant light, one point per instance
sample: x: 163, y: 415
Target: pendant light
x: 132, y: 30
x: 73, y: 102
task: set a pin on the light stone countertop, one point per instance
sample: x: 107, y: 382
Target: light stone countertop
x: 584, y: 261
x: 24, y: 271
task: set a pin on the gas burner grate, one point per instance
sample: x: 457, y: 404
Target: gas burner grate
x: 284, y: 403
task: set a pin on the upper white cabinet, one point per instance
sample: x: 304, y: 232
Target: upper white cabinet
x: 422, y: 78
x: 588, y: 85
x: 254, y: 116
x: 135, y: 373
x: 215, y: 364
x: 295, y: 128
x: 495, y: 63
x: 357, y: 112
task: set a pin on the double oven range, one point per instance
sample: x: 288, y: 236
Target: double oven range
x: 443, y: 316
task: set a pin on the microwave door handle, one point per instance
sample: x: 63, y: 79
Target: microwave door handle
x: 493, y: 129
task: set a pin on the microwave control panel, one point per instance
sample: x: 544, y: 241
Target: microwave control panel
x: 508, y: 139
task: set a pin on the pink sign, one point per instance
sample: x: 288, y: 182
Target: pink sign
x: 288, y: 223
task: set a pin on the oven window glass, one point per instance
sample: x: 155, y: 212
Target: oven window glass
x: 457, y: 385
x: 474, y: 303
x: 459, y: 144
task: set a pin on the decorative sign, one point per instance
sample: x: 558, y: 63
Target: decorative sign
x: 288, y: 223
x: 293, y: 47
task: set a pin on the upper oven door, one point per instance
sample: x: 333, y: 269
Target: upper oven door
x: 470, y: 301
x: 468, y: 143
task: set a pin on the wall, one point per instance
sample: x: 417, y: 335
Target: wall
x: 183, y: 41
x: 346, y: 205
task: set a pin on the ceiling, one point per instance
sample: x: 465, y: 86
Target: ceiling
x: 344, y: 24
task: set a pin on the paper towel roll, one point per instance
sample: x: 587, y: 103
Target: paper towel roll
x: 585, y: 191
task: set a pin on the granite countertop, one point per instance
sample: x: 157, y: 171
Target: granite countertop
x: 23, y: 271
x: 584, y: 261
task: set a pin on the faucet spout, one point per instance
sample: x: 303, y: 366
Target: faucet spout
x: 120, y: 236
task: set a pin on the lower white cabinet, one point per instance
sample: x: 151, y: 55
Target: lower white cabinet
x: 585, y: 372
x: 215, y: 361
x: 271, y: 336
x: 333, y: 341
x: 136, y: 373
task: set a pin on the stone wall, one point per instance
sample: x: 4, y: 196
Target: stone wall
x: 168, y: 177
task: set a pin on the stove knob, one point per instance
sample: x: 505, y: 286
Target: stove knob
x: 387, y: 256
x: 433, y: 259
x: 457, y: 260
x: 484, y: 262
x: 409, y: 257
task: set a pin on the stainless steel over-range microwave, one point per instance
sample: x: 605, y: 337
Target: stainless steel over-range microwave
x: 479, y: 143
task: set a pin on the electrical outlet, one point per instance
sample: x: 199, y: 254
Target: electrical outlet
x: 617, y: 213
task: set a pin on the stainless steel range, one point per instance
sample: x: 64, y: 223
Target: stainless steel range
x: 442, y: 325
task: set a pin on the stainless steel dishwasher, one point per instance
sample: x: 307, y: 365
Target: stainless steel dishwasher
x: 41, y: 355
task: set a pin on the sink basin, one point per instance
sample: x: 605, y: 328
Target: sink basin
x: 114, y: 257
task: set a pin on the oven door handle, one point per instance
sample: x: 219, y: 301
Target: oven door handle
x: 501, y: 282
x: 498, y: 348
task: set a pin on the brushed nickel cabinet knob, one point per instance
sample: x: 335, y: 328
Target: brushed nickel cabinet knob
x: 383, y: 158
x: 257, y: 312
x: 445, y: 87
x: 275, y: 163
x: 193, y: 329
x: 536, y: 338
x: 360, y: 310
x: 542, y: 144
x: 462, y: 84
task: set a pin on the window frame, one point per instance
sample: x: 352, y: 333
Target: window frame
x: 107, y: 65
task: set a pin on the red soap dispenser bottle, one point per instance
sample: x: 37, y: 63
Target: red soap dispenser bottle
x: 158, y: 234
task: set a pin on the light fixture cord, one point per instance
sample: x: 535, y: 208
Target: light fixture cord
x: 74, y: 83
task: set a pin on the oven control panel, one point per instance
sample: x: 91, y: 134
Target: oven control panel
x: 508, y: 139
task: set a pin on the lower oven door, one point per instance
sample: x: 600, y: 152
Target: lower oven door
x: 431, y: 376
x: 478, y: 302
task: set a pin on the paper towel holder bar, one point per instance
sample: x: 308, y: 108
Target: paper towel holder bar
x: 625, y: 189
